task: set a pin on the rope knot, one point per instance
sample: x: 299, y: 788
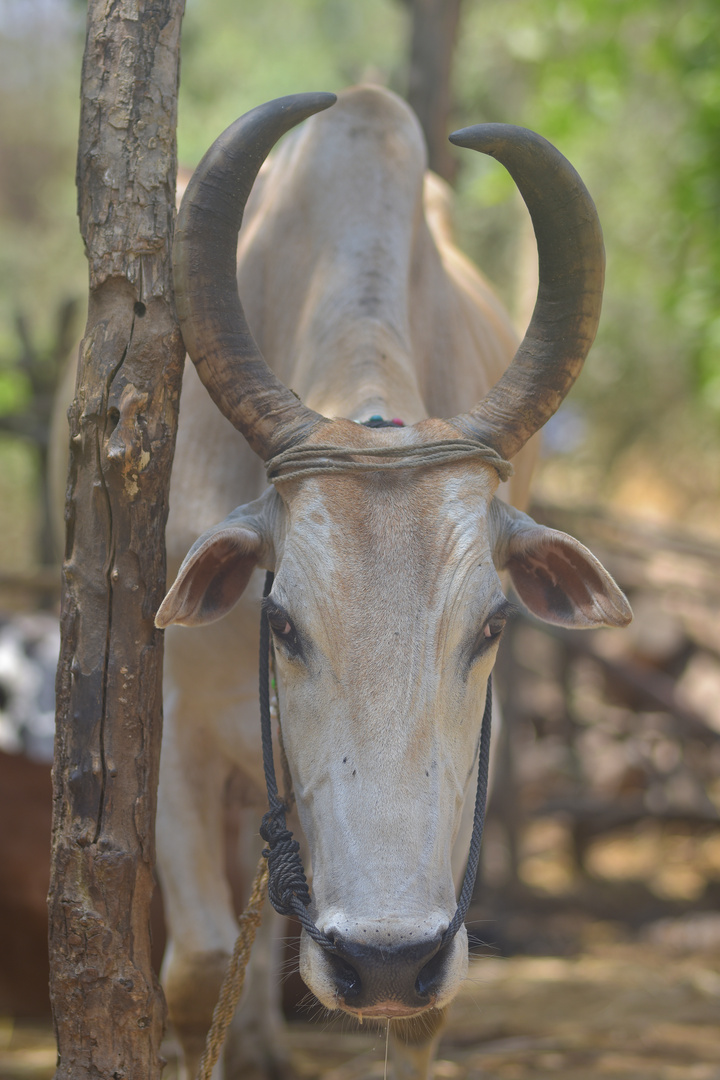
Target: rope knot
x: 287, y: 884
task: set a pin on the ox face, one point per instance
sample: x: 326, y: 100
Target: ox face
x: 386, y: 611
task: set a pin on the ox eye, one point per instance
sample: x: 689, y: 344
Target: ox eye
x: 281, y: 626
x: 283, y: 629
x: 492, y: 630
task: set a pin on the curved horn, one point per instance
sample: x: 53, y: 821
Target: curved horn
x: 212, y: 320
x: 567, y: 311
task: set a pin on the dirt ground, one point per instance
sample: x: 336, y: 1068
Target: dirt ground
x: 643, y: 1011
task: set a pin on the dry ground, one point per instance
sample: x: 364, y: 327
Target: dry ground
x: 644, y: 1011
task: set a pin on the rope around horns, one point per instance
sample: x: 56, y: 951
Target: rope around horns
x: 301, y: 461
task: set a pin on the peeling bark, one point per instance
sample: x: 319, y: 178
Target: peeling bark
x: 108, y: 1007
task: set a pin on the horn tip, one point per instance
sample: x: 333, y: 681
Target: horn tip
x: 484, y: 137
x: 309, y: 103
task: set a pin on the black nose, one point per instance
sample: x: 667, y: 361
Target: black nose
x: 368, y: 975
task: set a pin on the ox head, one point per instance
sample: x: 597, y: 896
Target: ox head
x: 387, y: 605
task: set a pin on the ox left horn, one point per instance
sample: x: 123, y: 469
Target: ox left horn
x: 217, y: 336
x: 571, y: 260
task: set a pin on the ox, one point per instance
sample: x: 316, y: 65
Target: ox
x: 387, y: 607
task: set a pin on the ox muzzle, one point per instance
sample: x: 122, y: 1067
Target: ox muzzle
x: 390, y: 980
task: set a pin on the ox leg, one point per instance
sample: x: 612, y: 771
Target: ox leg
x: 255, y: 1046
x: 202, y: 927
x: 198, y: 905
x: 414, y: 1043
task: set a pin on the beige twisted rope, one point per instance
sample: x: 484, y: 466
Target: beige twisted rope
x: 232, y: 985
x: 248, y: 922
x: 301, y: 461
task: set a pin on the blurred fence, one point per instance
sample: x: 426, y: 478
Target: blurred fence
x: 607, y: 792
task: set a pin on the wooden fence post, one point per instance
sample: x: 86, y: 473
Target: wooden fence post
x: 108, y: 1007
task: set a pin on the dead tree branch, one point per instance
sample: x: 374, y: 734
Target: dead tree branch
x: 108, y: 1007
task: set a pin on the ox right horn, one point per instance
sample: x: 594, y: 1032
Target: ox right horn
x: 217, y: 336
x: 572, y: 268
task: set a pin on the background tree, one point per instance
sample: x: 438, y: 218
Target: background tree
x: 108, y: 1007
x: 631, y: 92
x: 433, y: 33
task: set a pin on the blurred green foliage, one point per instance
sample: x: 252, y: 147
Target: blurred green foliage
x: 236, y: 55
x: 628, y: 89
x: 41, y: 256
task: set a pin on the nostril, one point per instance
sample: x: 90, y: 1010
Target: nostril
x: 347, y: 980
x: 431, y: 974
x: 409, y: 975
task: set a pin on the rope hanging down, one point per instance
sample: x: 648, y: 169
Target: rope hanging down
x: 232, y: 984
x: 287, y: 885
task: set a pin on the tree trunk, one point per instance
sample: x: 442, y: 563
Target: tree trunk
x: 108, y: 1007
x: 434, y: 26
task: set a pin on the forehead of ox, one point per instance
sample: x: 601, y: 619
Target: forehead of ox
x: 388, y: 566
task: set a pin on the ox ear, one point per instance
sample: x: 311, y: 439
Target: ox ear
x: 216, y: 570
x: 556, y: 578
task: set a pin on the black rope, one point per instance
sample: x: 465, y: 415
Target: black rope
x: 478, y: 821
x: 288, y: 889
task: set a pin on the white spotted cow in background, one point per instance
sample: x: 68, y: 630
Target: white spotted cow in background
x: 387, y: 606
x: 28, y: 661
x: 29, y: 646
